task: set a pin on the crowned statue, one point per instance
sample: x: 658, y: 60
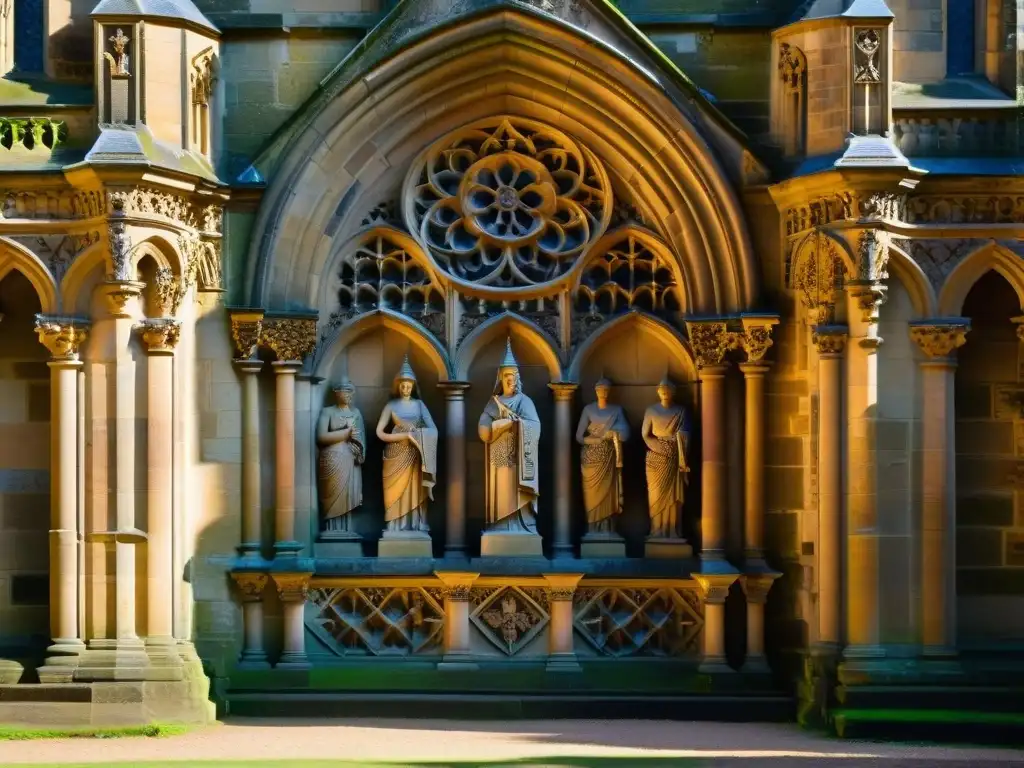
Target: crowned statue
x: 601, y: 432
x: 666, y: 432
x: 341, y: 438
x: 410, y: 456
x: 510, y: 430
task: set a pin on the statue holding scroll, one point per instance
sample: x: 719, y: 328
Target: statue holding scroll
x: 510, y: 430
x: 341, y: 437
x: 666, y: 433
x: 410, y: 455
x: 602, y: 431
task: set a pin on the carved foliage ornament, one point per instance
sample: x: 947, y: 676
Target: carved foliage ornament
x: 710, y: 342
x: 245, y: 332
x: 161, y: 334
x: 939, y: 340
x: 291, y: 339
x: 829, y: 339
x: 62, y: 337
x: 508, y: 203
x: 250, y: 585
x: 508, y: 617
x: 815, y: 272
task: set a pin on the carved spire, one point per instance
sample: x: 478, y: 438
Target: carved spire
x: 509, y: 360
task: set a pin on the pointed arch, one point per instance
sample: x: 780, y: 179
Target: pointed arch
x: 914, y: 280
x: 16, y: 257
x: 349, y: 332
x: 989, y: 257
x: 516, y: 327
x: 659, y: 329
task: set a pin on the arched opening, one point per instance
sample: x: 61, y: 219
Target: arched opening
x: 24, y: 475
x: 989, y: 450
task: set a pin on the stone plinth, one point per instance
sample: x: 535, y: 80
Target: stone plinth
x: 601, y: 545
x: 672, y: 549
x: 405, y: 544
x: 496, y: 544
x: 338, y: 544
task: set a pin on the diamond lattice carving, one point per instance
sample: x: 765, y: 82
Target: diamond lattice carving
x: 378, y: 621
x: 507, y: 203
x: 508, y: 616
x: 639, y: 622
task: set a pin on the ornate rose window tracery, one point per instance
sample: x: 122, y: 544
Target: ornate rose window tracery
x: 506, y: 204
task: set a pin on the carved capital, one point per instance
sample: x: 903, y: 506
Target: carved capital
x: 246, y: 332
x: 250, y: 585
x: 940, y: 339
x: 291, y: 339
x: 563, y: 390
x: 62, y: 336
x: 457, y: 585
x: 118, y: 293
x: 757, y: 586
x: 454, y: 390
x: 710, y: 341
x: 161, y: 334
x: 292, y: 587
x: 829, y: 339
x: 561, y: 587
x: 714, y: 588
x: 756, y: 338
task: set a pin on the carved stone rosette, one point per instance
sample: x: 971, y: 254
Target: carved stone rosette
x: 161, y: 334
x: 250, y: 585
x: 61, y: 336
x: 291, y: 339
x: 940, y: 339
x: 830, y: 339
x: 292, y: 587
x: 246, y: 332
x: 710, y: 341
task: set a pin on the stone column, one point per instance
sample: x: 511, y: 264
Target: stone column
x: 63, y: 337
x: 250, y: 589
x: 246, y: 328
x: 755, y: 589
x: 830, y: 341
x: 119, y: 294
x: 160, y: 337
x: 710, y: 341
x: 714, y: 590
x: 455, y: 434
x: 563, y: 468
x: 457, y: 588
x: 862, y: 531
x: 292, y: 340
x: 560, y: 591
x: 939, y: 341
x: 293, y: 588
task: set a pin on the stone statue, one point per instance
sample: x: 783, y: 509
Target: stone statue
x: 602, y: 431
x: 510, y: 429
x: 341, y: 438
x: 410, y: 455
x: 666, y: 433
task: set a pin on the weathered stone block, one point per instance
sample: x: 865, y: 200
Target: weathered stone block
x: 784, y: 451
x: 985, y: 510
x: 979, y: 546
x: 784, y: 488
x: 973, y: 401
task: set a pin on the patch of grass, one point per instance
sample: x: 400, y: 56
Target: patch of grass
x: 930, y: 716
x: 23, y: 733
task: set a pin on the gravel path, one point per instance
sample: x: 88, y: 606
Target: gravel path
x: 439, y: 740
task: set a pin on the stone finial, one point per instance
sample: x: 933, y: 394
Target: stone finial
x: 829, y: 339
x: 246, y: 331
x: 292, y: 587
x: 940, y: 339
x: 710, y: 341
x: 161, y: 334
x: 62, y: 336
x: 291, y: 339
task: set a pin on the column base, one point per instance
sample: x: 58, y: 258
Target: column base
x: 458, y: 662
x: 287, y: 548
x: 338, y: 544
x: 563, y: 662
x: 405, y: 544
x: 715, y: 665
x: 757, y: 665
x: 253, y: 660
x: 249, y: 552
x: 123, y: 659
x: 498, y: 544
x: 62, y: 659
x: 563, y: 552
x: 602, y: 545
x: 667, y: 549
x: 864, y: 652
x: 293, y: 661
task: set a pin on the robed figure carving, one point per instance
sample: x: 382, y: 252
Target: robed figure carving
x: 510, y: 430
x: 666, y: 433
x: 341, y: 437
x: 602, y: 431
x: 410, y: 455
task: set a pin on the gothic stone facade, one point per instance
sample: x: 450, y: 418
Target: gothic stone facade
x: 805, y: 216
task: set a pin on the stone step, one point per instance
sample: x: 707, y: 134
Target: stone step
x: 738, y: 708
x: 937, y: 725
x: 932, y: 697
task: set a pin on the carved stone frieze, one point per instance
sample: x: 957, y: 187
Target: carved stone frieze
x: 646, y: 621
x: 51, y: 204
x: 291, y: 338
x: 939, y: 340
x: 378, y: 621
x: 844, y: 206
x: 149, y: 201
x: 965, y: 209
x: 61, y: 336
x: 710, y: 341
x: 250, y: 585
x: 161, y: 334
